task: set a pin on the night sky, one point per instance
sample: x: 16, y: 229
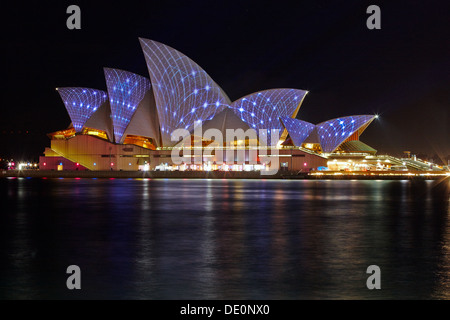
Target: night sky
x: 401, y: 72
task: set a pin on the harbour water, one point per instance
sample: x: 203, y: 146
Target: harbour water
x: 224, y: 239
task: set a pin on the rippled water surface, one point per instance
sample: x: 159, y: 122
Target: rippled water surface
x: 224, y: 239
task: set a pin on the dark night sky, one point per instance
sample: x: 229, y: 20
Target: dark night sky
x: 401, y: 72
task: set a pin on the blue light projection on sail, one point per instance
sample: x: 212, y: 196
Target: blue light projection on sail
x: 333, y: 132
x: 261, y: 110
x: 185, y: 94
x: 81, y: 103
x: 125, y: 90
x: 298, y: 130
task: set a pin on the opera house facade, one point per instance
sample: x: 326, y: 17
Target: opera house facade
x: 140, y: 123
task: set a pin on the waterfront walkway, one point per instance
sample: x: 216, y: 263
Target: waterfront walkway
x: 367, y: 175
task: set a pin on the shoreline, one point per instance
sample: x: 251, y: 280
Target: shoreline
x: 329, y: 175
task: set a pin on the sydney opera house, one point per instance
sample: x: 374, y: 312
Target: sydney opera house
x: 131, y: 125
